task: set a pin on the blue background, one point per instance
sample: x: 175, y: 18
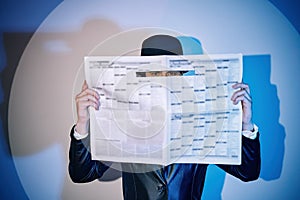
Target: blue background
x: 26, y: 16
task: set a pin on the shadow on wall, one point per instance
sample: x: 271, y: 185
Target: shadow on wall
x: 257, y: 71
x: 39, y: 125
x: 55, y: 54
x: 59, y: 52
x: 266, y: 113
x: 11, y: 52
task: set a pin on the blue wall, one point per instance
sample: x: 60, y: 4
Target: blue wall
x: 22, y: 18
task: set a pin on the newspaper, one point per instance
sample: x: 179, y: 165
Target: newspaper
x: 165, y: 109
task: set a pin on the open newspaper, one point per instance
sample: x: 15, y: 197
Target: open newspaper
x: 165, y: 109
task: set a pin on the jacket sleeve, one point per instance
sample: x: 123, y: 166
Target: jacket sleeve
x: 249, y: 169
x: 82, y: 168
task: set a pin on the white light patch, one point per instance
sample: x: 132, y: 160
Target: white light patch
x: 57, y: 46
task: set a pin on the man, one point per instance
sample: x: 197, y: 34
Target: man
x: 175, y: 181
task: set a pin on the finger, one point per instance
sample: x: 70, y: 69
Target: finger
x: 248, y: 94
x: 243, y: 98
x: 238, y: 99
x: 241, y: 86
x: 244, y: 87
x: 88, y: 98
x: 240, y: 93
x: 89, y: 92
x: 85, y: 104
x: 84, y: 85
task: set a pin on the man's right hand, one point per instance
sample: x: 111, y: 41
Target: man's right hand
x: 87, y: 97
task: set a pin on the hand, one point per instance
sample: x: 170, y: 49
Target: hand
x: 243, y: 95
x: 87, y: 97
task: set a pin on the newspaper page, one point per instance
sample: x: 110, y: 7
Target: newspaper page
x: 165, y: 109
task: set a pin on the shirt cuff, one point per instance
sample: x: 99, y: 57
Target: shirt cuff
x: 79, y: 136
x: 251, y: 134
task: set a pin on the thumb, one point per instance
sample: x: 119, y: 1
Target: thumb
x: 84, y: 86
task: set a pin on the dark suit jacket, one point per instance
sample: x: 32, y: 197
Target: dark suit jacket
x: 175, y: 181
